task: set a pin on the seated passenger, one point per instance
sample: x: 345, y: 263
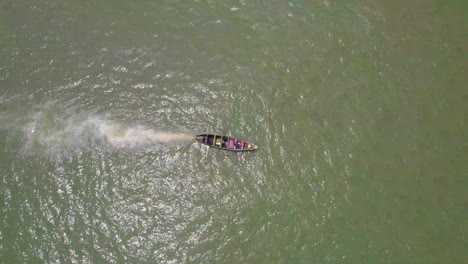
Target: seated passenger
x: 242, y: 144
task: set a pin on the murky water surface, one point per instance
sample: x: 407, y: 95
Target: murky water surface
x: 358, y: 108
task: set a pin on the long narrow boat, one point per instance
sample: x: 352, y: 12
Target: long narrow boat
x: 225, y: 142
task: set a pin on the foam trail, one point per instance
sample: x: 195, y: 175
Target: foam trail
x: 56, y: 133
x: 138, y: 136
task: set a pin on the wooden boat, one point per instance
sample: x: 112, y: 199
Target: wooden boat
x: 225, y: 142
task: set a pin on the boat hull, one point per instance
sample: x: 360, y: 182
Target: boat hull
x: 225, y: 142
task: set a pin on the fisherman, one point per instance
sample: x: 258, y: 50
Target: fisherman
x: 242, y: 144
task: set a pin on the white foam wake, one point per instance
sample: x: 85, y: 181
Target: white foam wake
x: 138, y: 136
x: 52, y: 131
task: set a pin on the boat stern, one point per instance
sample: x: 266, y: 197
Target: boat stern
x: 199, y: 138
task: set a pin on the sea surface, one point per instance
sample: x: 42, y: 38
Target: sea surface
x: 358, y: 108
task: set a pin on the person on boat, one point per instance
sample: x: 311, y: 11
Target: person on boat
x: 242, y: 144
x: 250, y: 146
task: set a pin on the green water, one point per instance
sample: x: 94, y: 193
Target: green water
x: 358, y: 109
